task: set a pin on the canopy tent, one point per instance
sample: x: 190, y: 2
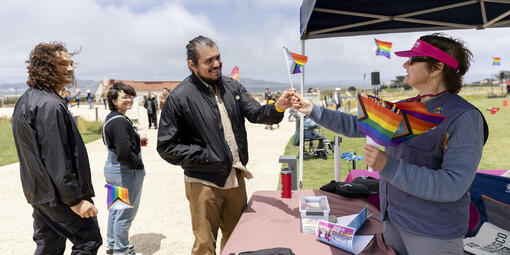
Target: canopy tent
x: 334, y: 18
x: 331, y: 18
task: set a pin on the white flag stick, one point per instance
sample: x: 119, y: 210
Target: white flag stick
x: 370, y: 141
x: 287, y: 67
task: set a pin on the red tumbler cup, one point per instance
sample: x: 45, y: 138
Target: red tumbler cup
x: 286, y: 176
x: 144, y: 141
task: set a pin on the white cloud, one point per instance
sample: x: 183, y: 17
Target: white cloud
x: 145, y: 40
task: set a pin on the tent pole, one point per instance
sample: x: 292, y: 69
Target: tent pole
x: 301, y: 123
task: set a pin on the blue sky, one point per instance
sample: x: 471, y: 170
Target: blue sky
x: 145, y: 40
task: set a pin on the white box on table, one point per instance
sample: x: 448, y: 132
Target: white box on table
x: 313, y: 209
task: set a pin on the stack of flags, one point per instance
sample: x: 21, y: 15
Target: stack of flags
x: 295, y: 61
x: 496, y: 61
x: 118, y: 198
x: 383, y: 48
x: 390, y: 124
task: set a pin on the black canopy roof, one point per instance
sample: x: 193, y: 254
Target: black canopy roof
x: 332, y: 18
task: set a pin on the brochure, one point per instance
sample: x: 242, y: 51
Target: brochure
x: 490, y: 240
x: 343, y: 233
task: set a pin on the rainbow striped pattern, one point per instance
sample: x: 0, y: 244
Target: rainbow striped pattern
x: 295, y: 61
x: 235, y: 73
x: 417, y: 120
x: 383, y: 48
x: 377, y: 121
x: 496, y: 61
x: 392, y: 127
x: 118, y: 197
x: 73, y: 104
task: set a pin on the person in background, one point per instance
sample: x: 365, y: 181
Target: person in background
x: 202, y: 129
x: 310, y: 90
x: 104, y: 96
x: 267, y: 95
x: 54, y: 165
x: 77, y: 97
x: 425, y: 180
x: 151, y: 104
x: 66, y: 95
x: 337, y: 99
x: 124, y: 166
x: 89, y: 98
x: 162, y: 98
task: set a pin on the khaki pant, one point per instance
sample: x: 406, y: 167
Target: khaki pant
x: 211, y: 208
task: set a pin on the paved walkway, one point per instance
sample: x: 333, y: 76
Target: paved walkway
x: 163, y: 224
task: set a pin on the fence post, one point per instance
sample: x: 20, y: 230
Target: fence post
x: 97, y: 116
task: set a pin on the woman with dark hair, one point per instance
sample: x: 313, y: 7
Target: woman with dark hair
x: 123, y: 167
x: 425, y: 180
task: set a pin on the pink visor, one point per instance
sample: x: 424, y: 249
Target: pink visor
x: 422, y: 48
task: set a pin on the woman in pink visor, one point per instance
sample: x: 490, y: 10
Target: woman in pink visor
x: 425, y: 180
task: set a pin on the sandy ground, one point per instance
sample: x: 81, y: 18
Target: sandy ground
x: 163, y: 224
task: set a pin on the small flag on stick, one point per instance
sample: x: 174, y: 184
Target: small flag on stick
x: 118, y: 198
x: 235, y: 73
x: 496, y: 61
x: 295, y: 61
x: 383, y: 48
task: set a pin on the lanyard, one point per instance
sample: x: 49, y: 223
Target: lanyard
x: 428, y: 95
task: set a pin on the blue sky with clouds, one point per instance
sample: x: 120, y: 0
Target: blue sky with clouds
x: 145, y: 40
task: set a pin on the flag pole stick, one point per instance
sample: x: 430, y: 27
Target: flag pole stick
x: 302, y: 123
x: 287, y: 67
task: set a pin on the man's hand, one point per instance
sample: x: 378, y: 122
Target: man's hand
x: 284, y: 102
x: 374, y: 157
x: 301, y: 104
x: 85, y: 209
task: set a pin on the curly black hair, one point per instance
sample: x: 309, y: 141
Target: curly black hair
x: 46, y: 69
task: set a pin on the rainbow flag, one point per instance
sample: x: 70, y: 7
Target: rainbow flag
x: 235, y: 73
x: 377, y: 121
x: 118, y: 197
x: 496, y: 61
x: 295, y: 61
x: 73, y: 104
x: 383, y: 48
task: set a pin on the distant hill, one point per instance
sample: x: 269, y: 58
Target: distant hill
x: 19, y: 87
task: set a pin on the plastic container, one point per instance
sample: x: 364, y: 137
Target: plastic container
x: 313, y: 209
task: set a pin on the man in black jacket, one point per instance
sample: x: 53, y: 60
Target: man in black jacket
x: 54, y: 166
x: 202, y: 130
x: 151, y: 104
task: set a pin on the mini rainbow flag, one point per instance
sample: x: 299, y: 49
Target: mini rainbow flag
x: 383, y: 48
x: 118, y: 197
x: 496, y: 61
x: 235, y: 73
x: 73, y: 104
x: 295, y: 61
x: 377, y: 121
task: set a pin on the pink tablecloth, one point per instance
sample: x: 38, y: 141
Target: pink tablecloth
x: 269, y: 221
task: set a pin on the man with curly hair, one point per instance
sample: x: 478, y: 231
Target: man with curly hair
x: 54, y: 165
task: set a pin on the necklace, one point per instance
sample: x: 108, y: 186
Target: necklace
x: 427, y: 95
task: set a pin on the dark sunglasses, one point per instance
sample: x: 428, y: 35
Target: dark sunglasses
x: 417, y: 59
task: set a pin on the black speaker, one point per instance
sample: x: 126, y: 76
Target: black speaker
x: 502, y: 76
x: 375, y: 78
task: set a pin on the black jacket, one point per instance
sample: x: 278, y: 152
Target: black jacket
x: 191, y: 134
x: 54, y: 164
x: 151, y: 104
x: 121, y: 138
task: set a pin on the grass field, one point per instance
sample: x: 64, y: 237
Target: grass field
x: 317, y: 172
x: 90, y: 131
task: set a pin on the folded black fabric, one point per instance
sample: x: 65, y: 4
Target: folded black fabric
x: 272, y: 251
x: 360, y: 187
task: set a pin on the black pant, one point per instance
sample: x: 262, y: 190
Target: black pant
x: 153, y: 119
x: 53, y: 225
